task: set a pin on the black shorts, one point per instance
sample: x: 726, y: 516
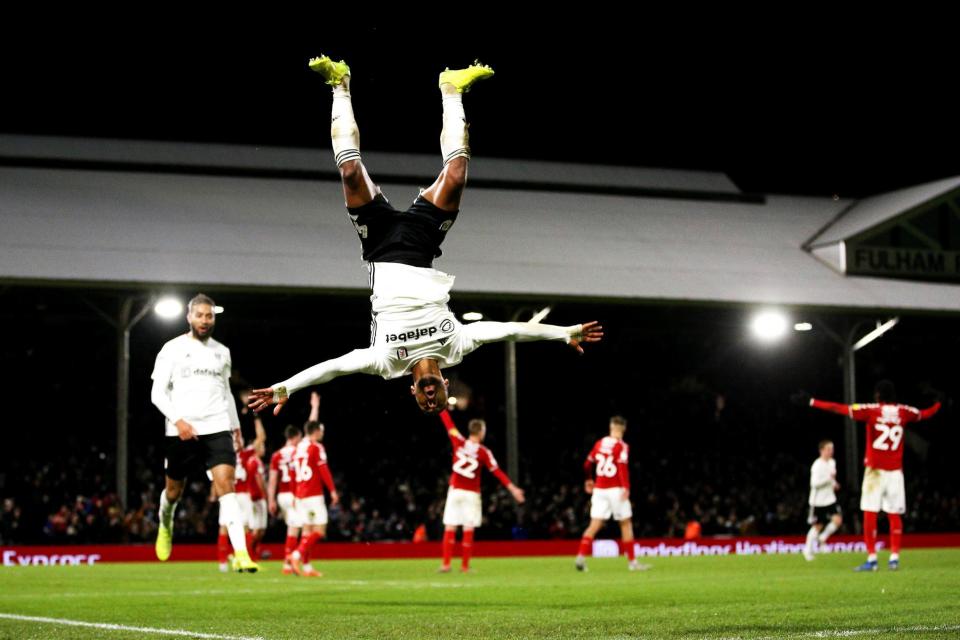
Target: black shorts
x: 822, y: 515
x: 412, y: 237
x: 181, y: 457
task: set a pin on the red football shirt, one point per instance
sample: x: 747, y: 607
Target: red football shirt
x: 254, y: 467
x: 242, y: 484
x: 282, y: 463
x: 610, y: 457
x: 310, y: 470
x: 885, y: 423
x: 467, y: 458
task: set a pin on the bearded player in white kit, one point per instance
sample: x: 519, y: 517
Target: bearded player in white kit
x: 412, y: 329
x: 191, y: 388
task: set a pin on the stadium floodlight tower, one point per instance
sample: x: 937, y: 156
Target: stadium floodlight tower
x: 510, y: 383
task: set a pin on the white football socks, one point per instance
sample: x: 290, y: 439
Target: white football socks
x: 167, y: 510
x: 828, y: 531
x: 812, y: 539
x: 454, y: 139
x: 344, y: 132
x: 233, y: 519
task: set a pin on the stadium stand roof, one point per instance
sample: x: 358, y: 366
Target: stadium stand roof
x: 126, y: 212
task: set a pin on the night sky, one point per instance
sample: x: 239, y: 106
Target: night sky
x: 819, y: 104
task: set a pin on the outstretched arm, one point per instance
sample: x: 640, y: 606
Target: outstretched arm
x: 485, y: 332
x: 357, y: 361
x: 833, y: 407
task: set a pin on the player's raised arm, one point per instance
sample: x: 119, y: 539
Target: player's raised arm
x: 924, y: 414
x: 451, y: 428
x: 272, y: 482
x: 357, y: 361
x: 485, y: 332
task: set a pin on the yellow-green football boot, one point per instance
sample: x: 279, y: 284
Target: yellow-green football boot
x: 463, y: 79
x: 333, y: 72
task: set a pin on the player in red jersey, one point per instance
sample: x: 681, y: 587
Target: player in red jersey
x: 257, y: 490
x: 610, y: 492
x: 280, y: 487
x: 311, y: 473
x: 883, y: 487
x: 462, y: 508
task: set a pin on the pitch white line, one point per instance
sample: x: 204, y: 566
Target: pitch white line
x: 852, y: 633
x: 123, y: 627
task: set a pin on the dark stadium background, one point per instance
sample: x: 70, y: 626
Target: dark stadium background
x: 814, y: 109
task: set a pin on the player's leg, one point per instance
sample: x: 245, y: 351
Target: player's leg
x: 835, y: 521
x: 894, y: 504
x: 169, y: 498
x: 232, y: 512
x: 628, y: 546
x: 449, y: 540
x: 318, y: 533
x: 466, y: 548
x: 358, y: 188
x: 810, y: 548
x: 290, y: 545
x: 446, y: 192
x: 871, y: 495
x: 586, y: 541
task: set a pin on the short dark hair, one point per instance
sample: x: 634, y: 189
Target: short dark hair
x: 312, y: 427
x: 885, y: 391
x: 200, y: 298
x: 291, y: 431
x: 475, y: 426
x: 823, y: 443
x: 619, y: 421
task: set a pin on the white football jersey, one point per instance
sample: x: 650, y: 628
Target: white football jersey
x: 822, y: 476
x: 192, y: 382
x: 411, y: 320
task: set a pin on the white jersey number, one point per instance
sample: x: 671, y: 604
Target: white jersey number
x: 466, y: 466
x: 606, y: 467
x: 889, y: 438
x: 285, y: 471
x: 301, y: 468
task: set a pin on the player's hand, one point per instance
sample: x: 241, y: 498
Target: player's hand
x: 272, y: 507
x: 625, y: 494
x: 185, y: 430
x: 801, y: 398
x: 334, y: 498
x: 589, y: 332
x: 588, y: 486
x: 836, y: 486
x: 314, y: 400
x: 517, y: 493
x: 260, y: 399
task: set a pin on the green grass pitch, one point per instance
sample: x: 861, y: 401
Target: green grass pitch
x: 714, y: 598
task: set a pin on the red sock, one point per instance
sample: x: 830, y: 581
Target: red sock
x: 628, y: 547
x: 449, y: 537
x: 249, y: 538
x: 288, y: 548
x: 586, y: 546
x: 467, y: 547
x: 306, y: 544
x: 223, y: 548
x: 870, y: 530
x: 896, y: 531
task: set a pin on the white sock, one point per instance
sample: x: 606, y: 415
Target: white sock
x: 230, y: 510
x: 454, y: 139
x: 167, y: 509
x: 828, y: 531
x: 812, y: 539
x: 344, y: 132
x: 872, y: 557
x: 894, y: 556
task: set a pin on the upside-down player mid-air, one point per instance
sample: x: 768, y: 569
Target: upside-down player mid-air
x: 883, y: 486
x: 412, y: 330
